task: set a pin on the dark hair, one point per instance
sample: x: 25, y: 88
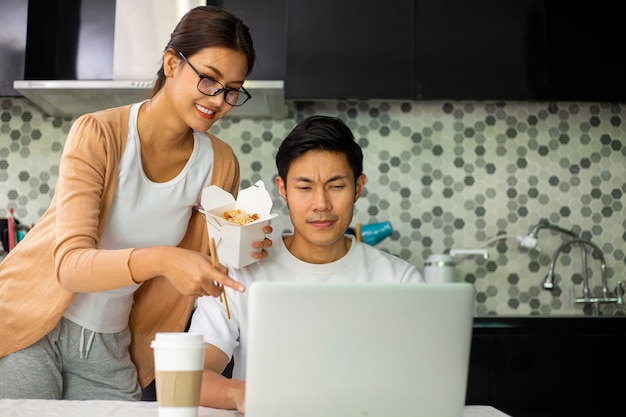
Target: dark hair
x: 206, y: 26
x: 319, y: 133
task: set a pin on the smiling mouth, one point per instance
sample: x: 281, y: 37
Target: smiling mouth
x: 204, y: 110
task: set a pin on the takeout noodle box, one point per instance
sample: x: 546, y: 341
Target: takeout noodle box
x: 234, y: 242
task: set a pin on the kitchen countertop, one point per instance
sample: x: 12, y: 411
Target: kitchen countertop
x: 65, y: 408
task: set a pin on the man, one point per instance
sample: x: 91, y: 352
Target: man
x: 320, y: 178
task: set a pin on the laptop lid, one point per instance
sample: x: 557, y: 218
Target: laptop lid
x: 358, y: 350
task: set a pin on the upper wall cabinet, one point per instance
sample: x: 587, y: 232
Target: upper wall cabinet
x: 520, y: 50
x: 350, y: 49
x: 266, y: 21
x: 584, y: 49
x: 479, y: 49
x: 439, y: 49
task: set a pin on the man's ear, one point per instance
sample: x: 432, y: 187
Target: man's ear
x: 360, y: 186
x: 282, y: 187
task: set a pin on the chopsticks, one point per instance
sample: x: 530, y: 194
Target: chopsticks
x: 11, y: 230
x: 216, y: 264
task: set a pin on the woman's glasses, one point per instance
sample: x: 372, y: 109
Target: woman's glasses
x: 211, y: 87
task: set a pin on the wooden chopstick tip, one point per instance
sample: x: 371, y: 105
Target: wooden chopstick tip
x: 216, y: 265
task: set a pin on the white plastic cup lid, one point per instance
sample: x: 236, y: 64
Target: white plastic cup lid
x: 178, y: 339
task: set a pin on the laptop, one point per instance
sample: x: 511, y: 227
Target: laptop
x: 358, y: 350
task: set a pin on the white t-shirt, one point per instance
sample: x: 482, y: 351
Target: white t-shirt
x: 143, y: 213
x: 362, y: 263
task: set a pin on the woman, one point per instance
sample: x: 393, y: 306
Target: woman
x: 121, y: 253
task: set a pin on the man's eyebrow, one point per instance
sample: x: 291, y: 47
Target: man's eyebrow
x: 331, y: 179
x: 337, y: 178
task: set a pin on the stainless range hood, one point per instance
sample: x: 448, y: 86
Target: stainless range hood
x: 136, y: 46
x: 73, y: 98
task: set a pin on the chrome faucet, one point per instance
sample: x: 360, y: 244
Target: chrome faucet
x: 546, y: 225
x: 607, y: 297
x: 530, y: 241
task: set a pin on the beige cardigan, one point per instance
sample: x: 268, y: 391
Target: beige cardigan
x: 63, y: 246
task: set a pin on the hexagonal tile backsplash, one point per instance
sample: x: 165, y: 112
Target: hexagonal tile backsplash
x: 447, y: 175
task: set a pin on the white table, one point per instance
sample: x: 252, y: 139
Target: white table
x: 54, y: 408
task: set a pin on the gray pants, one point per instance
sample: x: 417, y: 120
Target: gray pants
x: 72, y: 363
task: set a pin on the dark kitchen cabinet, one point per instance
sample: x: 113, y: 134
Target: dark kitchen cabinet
x: 350, y: 49
x: 455, y: 49
x: 420, y: 49
x: 480, y: 49
x: 548, y: 366
x: 438, y: 49
x: 584, y: 47
x: 267, y: 23
x: 69, y: 40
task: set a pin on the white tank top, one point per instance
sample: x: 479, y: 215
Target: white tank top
x: 143, y: 214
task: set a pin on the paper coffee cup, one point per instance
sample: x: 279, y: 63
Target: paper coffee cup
x: 178, y: 362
